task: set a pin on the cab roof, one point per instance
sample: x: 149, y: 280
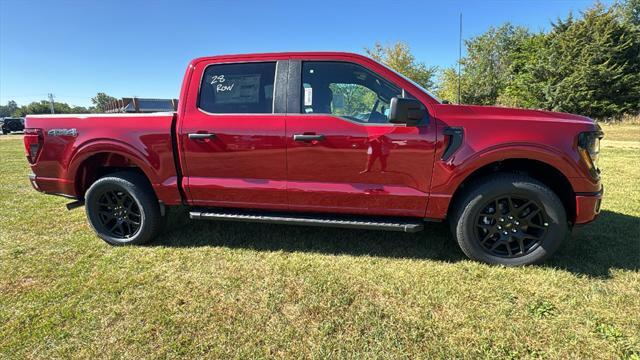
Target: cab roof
x: 281, y: 55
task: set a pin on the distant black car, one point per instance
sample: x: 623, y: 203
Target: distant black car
x: 12, y: 124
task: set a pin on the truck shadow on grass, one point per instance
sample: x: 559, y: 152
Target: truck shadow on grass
x: 612, y: 242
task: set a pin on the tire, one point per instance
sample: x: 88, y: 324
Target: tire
x: 509, y: 219
x: 115, y: 203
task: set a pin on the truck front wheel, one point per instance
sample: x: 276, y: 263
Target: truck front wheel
x: 123, y: 209
x: 509, y: 219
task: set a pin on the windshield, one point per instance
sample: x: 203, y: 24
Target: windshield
x: 412, y: 82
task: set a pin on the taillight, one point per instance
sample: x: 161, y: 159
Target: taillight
x: 33, y: 141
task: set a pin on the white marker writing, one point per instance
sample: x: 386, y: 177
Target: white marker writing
x: 221, y: 88
x: 217, y: 79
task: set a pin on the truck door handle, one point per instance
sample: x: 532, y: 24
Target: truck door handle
x: 307, y: 137
x: 201, y: 136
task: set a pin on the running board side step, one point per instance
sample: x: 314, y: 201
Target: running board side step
x: 346, y: 221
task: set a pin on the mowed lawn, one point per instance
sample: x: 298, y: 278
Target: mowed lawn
x: 221, y: 290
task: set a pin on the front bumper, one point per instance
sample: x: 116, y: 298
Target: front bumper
x: 588, y: 206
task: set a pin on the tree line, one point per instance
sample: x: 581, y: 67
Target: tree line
x: 99, y: 102
x: 587, y: 64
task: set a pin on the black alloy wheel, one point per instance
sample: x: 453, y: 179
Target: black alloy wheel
x: 511, y: 226
x: 123, y: 209
x: 508, y: 219
x: 119, y: 214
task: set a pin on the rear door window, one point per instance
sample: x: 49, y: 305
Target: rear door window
x: 245, y: 88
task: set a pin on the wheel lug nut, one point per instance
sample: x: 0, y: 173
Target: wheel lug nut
x: 501, y: 220
x: 517, y: 222
x: 499, y: 227
x: 546, y: 224
x: 514, y: 230
x: 510, y: 217
x: 506, y: 233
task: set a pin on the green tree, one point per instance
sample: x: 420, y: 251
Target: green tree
x: 9, y: 109
x: 448, y: 88
x: 527, y: 75
x: 629, y: 11
x: 100, y: 101
x: 44, y: 107
x: 81, y: 110
x: 398, y: 56
x: 486, y: 69
x: 356, y: 98
x: 588, y: 65
x: 593, y: 65
x: 36, y: 107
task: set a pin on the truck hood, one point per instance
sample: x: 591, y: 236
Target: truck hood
x: 476, y: 112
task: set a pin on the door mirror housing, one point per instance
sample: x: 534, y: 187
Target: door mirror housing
x: 406, y: 111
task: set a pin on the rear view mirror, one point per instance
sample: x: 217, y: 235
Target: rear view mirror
x: 406, y: 111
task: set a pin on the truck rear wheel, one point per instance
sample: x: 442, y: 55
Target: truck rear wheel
x: 509, y: 219
x: 123, y: 209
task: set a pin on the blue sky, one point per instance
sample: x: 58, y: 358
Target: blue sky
x: 74, y: 49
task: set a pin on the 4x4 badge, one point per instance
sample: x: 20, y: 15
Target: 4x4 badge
x: 63, y: 132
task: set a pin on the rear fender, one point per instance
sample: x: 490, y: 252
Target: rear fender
x: 134, y: 157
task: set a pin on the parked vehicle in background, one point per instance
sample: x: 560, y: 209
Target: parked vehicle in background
x: 326, y: 139
x: 12, y: 124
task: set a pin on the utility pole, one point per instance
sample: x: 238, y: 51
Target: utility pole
x: 459, y: 57
x: 51, y: 102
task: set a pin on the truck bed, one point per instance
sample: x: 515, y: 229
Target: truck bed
x: 74, y: 144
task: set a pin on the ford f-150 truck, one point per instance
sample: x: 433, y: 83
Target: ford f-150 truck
x: 326, y: 139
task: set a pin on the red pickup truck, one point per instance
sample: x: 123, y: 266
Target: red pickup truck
x: 326, y: 139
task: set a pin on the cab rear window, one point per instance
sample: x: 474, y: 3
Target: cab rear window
x: 238, y: 88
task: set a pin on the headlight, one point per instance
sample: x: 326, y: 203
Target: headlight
x: 589, y: 148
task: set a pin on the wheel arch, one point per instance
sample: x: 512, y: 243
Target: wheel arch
x: 542, y: 171
x: 96, y: 160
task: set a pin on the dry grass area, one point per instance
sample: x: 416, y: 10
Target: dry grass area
x: 627, y: 119
x: 621, y: 134
x: 235, y: 290
x: 12, y: 136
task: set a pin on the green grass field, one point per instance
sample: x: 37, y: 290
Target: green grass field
x: 241, y: 290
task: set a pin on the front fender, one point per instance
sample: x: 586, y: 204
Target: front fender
x: 449, y: 175
x: 466, y: 162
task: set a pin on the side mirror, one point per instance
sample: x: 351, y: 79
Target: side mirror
x: 406, y: 111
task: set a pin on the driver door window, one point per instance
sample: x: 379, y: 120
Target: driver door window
x: 346, y: 90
